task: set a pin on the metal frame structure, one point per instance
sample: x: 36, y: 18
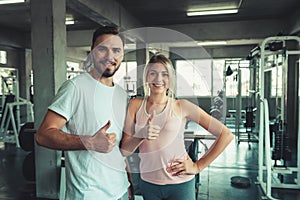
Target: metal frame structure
x: 238, y: 97
x: 241, y: 136
x: 8, y: 115
x: 15, y: 120
x: 267, y: 170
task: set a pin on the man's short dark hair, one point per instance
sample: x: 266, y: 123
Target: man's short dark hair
x: 114, y: 30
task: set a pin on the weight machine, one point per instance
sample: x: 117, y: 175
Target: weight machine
x: 272, y: 157
x: 11, y: 110
x: 243, y: 118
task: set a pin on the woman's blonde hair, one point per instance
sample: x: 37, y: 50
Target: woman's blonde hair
x: 160, y: 58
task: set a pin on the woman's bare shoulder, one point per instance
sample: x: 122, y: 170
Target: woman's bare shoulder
x: 178, y: 106
x: 136, y: 100
x: 185, y: 106
x: 181, y: 102
x: 135, y: 103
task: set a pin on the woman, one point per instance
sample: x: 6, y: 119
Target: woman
x: 156, y: 124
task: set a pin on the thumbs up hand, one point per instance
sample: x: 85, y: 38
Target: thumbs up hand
x: 102, y: 141
x: 149, y: 131
x: 152, y: 130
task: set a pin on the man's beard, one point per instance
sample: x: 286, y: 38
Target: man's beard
x: 108, y: 74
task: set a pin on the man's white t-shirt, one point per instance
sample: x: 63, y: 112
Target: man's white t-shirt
x: 87, y: 105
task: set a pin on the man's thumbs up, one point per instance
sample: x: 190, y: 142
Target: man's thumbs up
x: 105, y: 127
x: 103, y: 141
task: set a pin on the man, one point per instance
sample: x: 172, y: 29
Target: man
x: 86, y: 120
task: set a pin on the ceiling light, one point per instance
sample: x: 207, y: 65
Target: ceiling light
x: 70, y: 22
x: 211, y: 43
x: 69, y: 19
x: 11, y: 1
x: 212, y: 12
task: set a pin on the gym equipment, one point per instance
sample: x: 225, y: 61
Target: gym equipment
x: 193, y: 150
x: 28, y: 167
x: 237, y: 116
x: 272, y: 167
x: 26, y: 136
x: 249, y: 124
x: 192, y: 143
x: 232, y: 68
x: 11, y: 114
x: 280, y: 144
x: 26, y: 140
x: 217, y: 109
x: 240, y: 182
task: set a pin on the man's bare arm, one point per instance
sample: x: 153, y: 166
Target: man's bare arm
x: 50, y: 135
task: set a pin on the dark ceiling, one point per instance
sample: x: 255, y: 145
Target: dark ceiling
x: 161, y: 12
x: 17, y: 16
x: 165, y: 12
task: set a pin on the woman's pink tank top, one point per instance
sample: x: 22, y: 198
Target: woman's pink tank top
x: 157, y: 154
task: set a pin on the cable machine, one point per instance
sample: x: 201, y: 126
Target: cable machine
x: 273, y: 146
x: 236, y: 72
x: 243, y: 118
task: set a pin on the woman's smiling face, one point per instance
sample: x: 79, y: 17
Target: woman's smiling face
x: 158, y: 78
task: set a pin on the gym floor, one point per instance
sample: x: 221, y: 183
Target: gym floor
x: 215, y: 181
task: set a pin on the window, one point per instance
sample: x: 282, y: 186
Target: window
x: 276, y: 83
x: 73, y: 69
x: 3, y: 57
x: 232, y: 80
x: 193, y: 78
x: 199, y: 77
x: 126, y: 77
x: 298, y: 65
x: 276, y: 75
x: 7, y: 83
x: 206, y: 77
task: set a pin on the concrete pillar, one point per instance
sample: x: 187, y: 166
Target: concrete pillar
x: 24, y: 69
x: 25, y: 79
x: 21, y: 67
x: 48, y: 36
x: 142, y: 57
